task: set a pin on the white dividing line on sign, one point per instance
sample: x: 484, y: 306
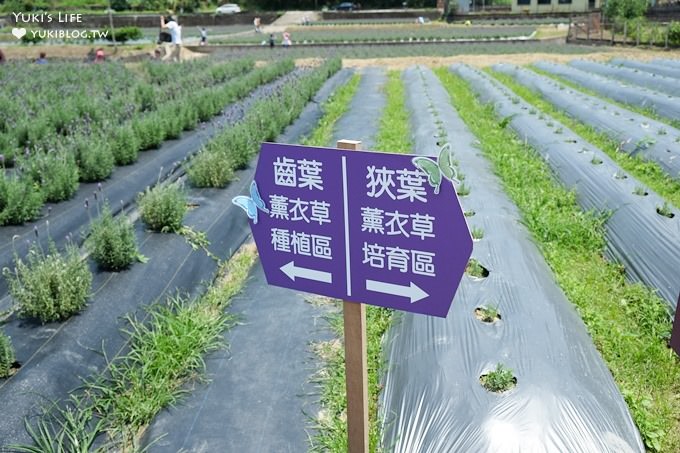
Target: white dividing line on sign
x: 346, y: 208
x: 293, y: 272
x: 413, y: 291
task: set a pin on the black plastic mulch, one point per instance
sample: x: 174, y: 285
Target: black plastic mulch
x: 260, y: 397
x: 121, y: 188
x: 56, y: 357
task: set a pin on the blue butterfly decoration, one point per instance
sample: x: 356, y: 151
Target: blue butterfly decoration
x: 251, y: 204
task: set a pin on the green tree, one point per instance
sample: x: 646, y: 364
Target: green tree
x: 625, y: 9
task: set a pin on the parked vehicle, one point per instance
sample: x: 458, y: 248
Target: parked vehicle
x: 228, y: 8
x: 346, y: 6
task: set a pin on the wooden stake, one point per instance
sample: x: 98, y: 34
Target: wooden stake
x: 356, y: 369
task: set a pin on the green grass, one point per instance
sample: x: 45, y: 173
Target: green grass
x: 393, y: 136
x: 166, y: 349
x: 628, y: 323
x: 645, y: 111
x: 333, y: 109
x: 647, y: 172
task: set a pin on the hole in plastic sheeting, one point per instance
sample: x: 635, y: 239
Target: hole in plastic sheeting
x: 499, y: 380
x: 487, y: 314
x: 469, y: 213
x: 596, y: 161
x: 640, y: 191
x: 476, y: 270
x: 570, y: 140
x: 620, y: 175
x: 665, y: 211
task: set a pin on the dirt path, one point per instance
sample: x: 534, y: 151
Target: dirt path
x: 290, y: 18
x: 519, y: 59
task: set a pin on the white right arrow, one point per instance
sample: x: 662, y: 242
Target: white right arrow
x: 293, y: 271
x: 412, y: 291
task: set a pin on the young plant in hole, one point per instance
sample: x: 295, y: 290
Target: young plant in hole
x: 468, y: 213
x: 7, y: 357
x: 620, y: 175
x: 475, y: 269
x: 639, y: 190
x: 500, y: 380
x: 665, y: 210
x: 596, y: 160
x: 463, y: 190
x: 662, y: 131
x: 488, y: 314
x: 477, y: 233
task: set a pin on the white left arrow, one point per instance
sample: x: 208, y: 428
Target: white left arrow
x: 413, y: 291
x: 293, y: 271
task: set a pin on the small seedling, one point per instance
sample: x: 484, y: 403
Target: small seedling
x: 463, y: 190
x: 469, y: 213
x: 639, y: 190
x: 500, y: 380
x: 596, y: 161
x: 532, y: 112
x: 477, y: 233
x: 475, y: 269
x: 620, y: 175
x: 665, y: 211
x: 488, y: 314
x: 559, y: 130
x: 7, y: 357
x: 662, y: 131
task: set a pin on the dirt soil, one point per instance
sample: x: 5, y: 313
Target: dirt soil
x: 519, y: 59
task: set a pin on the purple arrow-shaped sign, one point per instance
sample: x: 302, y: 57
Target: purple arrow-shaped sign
x: 360, y: 226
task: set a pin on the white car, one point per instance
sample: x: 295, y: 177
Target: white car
x: 229, y: 8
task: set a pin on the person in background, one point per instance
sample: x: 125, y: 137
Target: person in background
x: 99, y: 56
x: 271, y: 40
x: 2, y: 57
x: 42, y: 59
x: 204, y: 36
x: 175, y: 30
x: 286, y: 39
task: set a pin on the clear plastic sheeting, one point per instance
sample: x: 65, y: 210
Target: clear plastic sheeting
x: 667, y: 63
x: 648, y: 67
x: 656, y: 82
x: 565, y: 399
x: 637, y: 134
x: 646, y: 243
x: 664, y: 105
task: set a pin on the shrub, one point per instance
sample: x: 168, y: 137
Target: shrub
x: 124, y: 34
x: 50, y: 286
x: 210, y: 169
x: 674, y: 34
x: 112, y: 241
x: 7, y: 357
x: 150, y: 131
x: 55, y: 173
x: 124, y: 146
x: 95, y: 160
x: 163, y: 207
x: 19, y: 200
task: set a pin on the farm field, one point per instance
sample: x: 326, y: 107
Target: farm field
x: 134, y: 312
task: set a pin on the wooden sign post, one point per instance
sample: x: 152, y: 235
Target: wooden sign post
x: 356, y: 369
